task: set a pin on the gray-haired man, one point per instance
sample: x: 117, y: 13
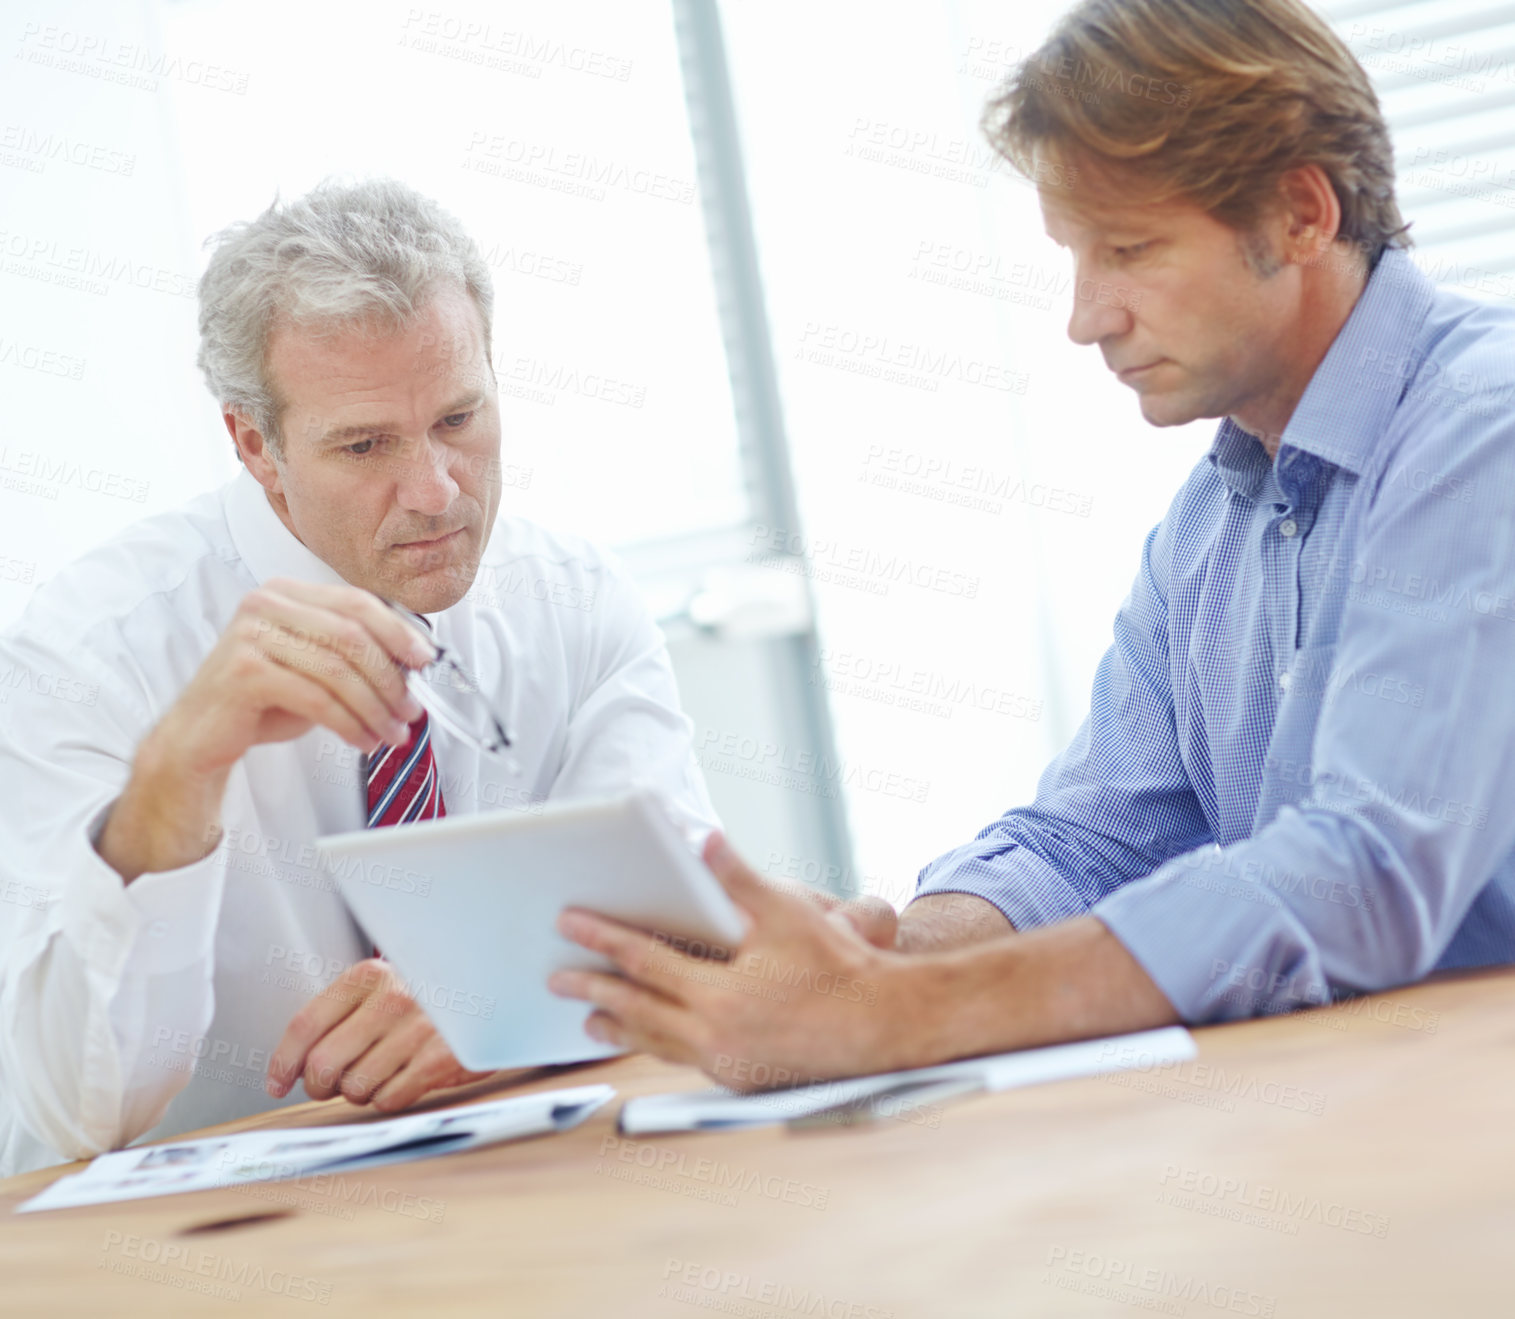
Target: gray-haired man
x: 175, y: 954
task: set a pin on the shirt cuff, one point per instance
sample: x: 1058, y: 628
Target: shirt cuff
x: 161, y: 922
x: 1218, y: 947
x: 1024, y: 887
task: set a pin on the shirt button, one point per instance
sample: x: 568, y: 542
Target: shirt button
x: 1285, y: 680
x: 1288, y: 527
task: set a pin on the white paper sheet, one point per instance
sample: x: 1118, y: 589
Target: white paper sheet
x: 895, y: 1094
x: 266, y: 1156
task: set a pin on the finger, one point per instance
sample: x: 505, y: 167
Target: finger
x: 400, y: 639
x: 387, y: 1057
x: 607, y: 1029
x: 284, y: 689
x: 646, y: 1014
x: 338, y: 653
x: 745, y: 886
x: 816, y: 897
x: 337, y: 1052
x: 351, y: 640
x: 809, y: 894
x: 433, y: 1067
x: 312, y: 1022
x: 639, y: 955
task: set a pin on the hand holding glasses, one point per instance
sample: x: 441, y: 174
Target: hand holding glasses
x: 489, y: 733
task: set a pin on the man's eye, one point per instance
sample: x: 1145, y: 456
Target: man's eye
x: 1135, y: 249
x: 458, y: 419
x: 361, y: 447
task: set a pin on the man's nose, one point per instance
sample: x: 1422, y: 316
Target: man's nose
x: 424, y: 480
x: 1095, y: 315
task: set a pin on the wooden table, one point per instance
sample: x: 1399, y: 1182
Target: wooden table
x: 1357, y: 1160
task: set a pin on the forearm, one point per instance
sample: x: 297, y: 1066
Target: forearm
x: 166, y: 817
x: 936, y: 922
x: 1070, y: 981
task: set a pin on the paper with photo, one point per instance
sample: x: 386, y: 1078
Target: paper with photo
x: 274, y: 1155
x: 701, y: 1110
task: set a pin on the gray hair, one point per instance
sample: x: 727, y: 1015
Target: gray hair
x: 367, y: 255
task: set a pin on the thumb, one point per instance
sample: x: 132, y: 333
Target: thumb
x: 742, y: 883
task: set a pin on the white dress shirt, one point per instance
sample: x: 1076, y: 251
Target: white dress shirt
x: 151, y: 1008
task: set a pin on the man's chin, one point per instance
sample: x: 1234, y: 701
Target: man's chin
x: 431, y: 590
x: 1164, y: 409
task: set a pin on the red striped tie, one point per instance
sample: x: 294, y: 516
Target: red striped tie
x: 402, y: 781
x: 403, y: 786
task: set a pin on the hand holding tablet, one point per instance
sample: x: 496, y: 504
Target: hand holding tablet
x: 464, y: 908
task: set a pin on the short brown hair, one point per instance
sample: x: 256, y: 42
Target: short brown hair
x: 1209, y: 102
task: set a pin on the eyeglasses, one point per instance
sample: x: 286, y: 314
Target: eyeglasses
x: 446, y: 668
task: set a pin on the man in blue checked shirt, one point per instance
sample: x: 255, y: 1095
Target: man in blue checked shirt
x: 1297, y: 775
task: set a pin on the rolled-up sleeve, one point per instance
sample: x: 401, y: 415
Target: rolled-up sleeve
x: 1115, y: 804
x: 1404, y: 805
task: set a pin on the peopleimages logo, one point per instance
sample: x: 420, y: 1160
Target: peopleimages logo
x: 297, y: 861
x: 892, y: 683
x: 676, y: 1169
x: 1149, y: 1286
x: 726, y: 1290
x: 122, y: 63
x: 947, y: 481
x: 58, y: 146
x: 823, y: 558
x: 310, y: 972
x: 28, y: 357
x: 744, y: 756
x: 1288, y: 1209
x: 40, y: 473
x: 580, y: 173
x: 59, y: 687
x: 509, y: 49
x: 195, y: 1269
x: 885, y: 358
x: 43, y: 257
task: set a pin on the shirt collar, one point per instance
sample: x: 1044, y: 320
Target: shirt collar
x: 267, y: 546
x: 1350, y: 399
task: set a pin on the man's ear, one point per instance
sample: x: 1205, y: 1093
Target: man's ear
x: 1312, y: 211
x: 254, y: 451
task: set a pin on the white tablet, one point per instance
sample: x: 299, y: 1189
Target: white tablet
x: 464, y: 909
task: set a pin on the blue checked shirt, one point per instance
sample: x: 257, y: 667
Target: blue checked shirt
x: 1297, y: 776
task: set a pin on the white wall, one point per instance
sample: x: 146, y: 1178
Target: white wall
x: 105, y: 418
